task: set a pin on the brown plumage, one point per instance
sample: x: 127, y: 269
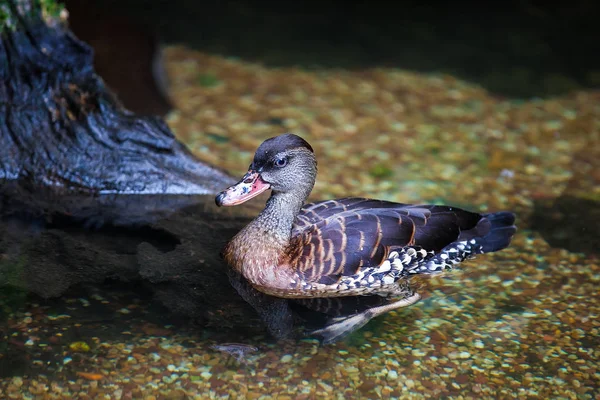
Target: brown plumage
x: 339, y: 237
x: 345, y: 247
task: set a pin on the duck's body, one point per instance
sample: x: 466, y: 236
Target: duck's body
x: 345, y: 247
x: 356, y: 246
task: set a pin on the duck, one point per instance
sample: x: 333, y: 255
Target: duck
x: 352, y: 246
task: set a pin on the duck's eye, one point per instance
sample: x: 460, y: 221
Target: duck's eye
x: 280, y: 162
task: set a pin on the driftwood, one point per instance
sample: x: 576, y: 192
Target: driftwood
x: 61, y: 128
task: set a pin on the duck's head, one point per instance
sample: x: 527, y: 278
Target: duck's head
x: 285, y: 163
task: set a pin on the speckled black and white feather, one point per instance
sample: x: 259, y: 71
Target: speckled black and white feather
x: 401, y: 264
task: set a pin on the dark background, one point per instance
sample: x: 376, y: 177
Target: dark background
x: 517, y: 49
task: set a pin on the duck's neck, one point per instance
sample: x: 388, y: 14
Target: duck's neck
x: 256, y: 250
x: 277, y: 219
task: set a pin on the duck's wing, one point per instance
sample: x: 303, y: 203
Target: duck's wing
x: 337, y: 238
x: 313, y: 213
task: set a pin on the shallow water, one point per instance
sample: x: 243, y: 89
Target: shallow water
x: 520, y: 323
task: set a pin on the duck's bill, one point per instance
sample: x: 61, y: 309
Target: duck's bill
x: 251, y: 185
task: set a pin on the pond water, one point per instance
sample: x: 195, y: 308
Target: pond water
x: 520, y: 323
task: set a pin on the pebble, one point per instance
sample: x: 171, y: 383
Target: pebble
x: 392, y: 375
x: 325, y: 386
x: 206, y: 375
x: 286, y: 359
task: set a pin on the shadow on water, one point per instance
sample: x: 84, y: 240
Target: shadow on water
x: 58, y: 335
x: 569, y: 222
x: 517, y: 49
x: 39, y: 333
x: 108, y: 267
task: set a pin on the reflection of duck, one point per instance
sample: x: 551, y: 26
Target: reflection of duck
x: 345, y: 247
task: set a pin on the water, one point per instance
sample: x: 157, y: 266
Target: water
x: 520, y: 323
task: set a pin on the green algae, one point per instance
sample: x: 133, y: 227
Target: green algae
x: 381, y: 171
x: 208, y: 80
x: 49, y: 11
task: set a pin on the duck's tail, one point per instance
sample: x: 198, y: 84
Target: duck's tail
x: 493, y: 232
x: 501, y: 230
